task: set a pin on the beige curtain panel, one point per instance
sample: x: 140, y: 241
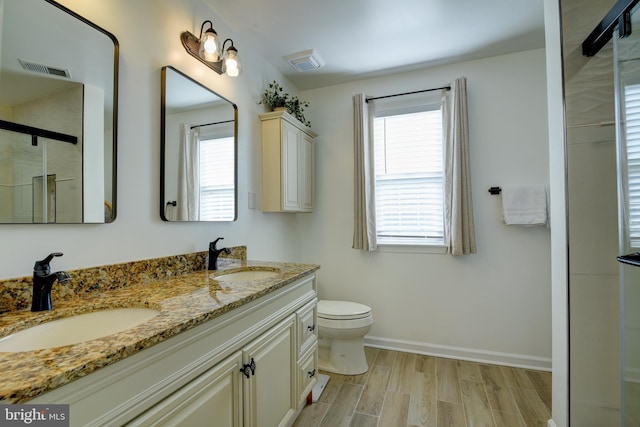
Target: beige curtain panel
x: 364, y: 212
x: 189, y: 175
x: 458, y: 206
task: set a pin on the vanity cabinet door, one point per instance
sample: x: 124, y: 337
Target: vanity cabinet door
x: 214, y: 398
x: 307, y: 373
x: 270, y: 390
x: 307, y: 328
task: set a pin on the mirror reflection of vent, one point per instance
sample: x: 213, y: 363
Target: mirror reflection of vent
x: 44, y: 69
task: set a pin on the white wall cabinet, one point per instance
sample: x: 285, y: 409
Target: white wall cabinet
x: 287, y: 164
x: 253, y: 366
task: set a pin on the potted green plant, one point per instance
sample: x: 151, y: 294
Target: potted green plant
x: 296, y: 108
x: 276, y: 98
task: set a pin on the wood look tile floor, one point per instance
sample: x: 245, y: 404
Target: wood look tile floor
x: 404, y: 389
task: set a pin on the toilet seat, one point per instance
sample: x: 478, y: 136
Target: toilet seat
x: 342, y: 310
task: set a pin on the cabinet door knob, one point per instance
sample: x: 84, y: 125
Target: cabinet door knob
x: 311, y: 328
x: 246, y: 370
x: 312, y: 373
x: 249, y: 369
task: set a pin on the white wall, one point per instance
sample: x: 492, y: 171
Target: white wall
x: 149, y: 35
x: 497, y: 301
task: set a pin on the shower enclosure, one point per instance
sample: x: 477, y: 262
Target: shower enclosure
x: 627, y: 90
x: 601, y: 70
x: 28, y: 155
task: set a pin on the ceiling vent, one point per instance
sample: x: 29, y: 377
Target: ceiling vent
x: 305, y: 60
x: 45, y: 69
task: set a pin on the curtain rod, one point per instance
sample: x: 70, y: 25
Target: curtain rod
x: 211, y: 124
x: 408, y: 93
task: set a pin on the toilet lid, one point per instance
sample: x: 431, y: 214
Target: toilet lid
x: 342, y: 310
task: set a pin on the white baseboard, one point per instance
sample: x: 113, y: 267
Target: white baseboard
x: 483, y: 356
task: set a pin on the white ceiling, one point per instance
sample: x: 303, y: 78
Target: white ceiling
x: 362, y: 38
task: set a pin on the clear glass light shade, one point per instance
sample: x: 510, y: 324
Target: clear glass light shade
x: 210, y: 46
x: 232, y: 63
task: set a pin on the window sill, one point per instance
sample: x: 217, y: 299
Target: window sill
x: 412, y: 249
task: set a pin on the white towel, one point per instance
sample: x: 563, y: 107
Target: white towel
x: 525, y: 204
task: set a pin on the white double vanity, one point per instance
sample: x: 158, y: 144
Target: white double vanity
x: 224, y: 353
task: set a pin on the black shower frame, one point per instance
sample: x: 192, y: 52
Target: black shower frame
x: 620, y: 14
x: 37, y: 132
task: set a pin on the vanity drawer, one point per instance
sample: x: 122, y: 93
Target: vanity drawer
x: 307, y: 327
x: 307, y: 372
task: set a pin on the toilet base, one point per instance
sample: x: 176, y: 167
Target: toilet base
x: 340, y: 356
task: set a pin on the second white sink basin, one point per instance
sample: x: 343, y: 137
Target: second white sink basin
x: 247, y: 275
x: 76, y: 329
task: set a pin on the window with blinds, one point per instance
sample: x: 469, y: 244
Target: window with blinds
x: 632, y: 129
x: 409, y: 177
x: 217, y: 179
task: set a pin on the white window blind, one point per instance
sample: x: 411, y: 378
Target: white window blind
x: 409, y: 177
x: 632, y: 119
x: 217, y: 179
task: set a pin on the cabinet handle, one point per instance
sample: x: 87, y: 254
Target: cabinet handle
x: 249, y: 369
x: 311, y: 328
x: 312, y: 373
x: 246, y: 370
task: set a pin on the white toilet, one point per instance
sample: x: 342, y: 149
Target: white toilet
x: 342, y: 326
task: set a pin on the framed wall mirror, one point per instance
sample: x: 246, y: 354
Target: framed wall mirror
x: 198, y: 171
x: 58, y: 116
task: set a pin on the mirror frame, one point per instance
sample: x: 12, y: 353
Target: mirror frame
x: 112, y: 203
x: 163, y: 108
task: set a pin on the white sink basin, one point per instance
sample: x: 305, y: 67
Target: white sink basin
x: 76, y: 329
x: 247, y: 275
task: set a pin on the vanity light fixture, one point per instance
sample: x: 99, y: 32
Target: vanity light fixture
x: 206, y: 48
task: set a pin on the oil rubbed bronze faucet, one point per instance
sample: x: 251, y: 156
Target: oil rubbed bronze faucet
x: 214, y: 253
x: 43, y: 281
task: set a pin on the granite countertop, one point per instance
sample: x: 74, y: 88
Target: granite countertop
x: 183, y: 302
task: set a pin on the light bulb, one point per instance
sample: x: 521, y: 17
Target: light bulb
x: 210, y: 46
x: 231, y: 62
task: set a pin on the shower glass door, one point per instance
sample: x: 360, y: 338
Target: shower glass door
x: 20, y: 164
x: 627, y: 73
x: 40, y: 179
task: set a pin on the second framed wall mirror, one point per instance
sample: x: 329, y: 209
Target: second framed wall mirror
x: 198, y: 170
